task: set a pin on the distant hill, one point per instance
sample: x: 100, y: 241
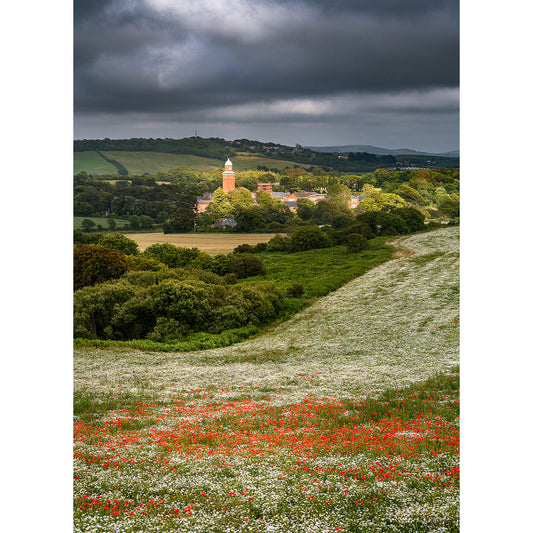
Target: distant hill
x: 141, y: 156
x: 354, y: 148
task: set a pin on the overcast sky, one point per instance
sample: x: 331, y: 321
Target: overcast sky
x: 319, y: 73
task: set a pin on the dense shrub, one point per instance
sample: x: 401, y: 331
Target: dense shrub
x: 309, y: 238
x: 80, y: 237
x: 243, y: 249
x: 94, y: 308
x: 396, y: 221
x: 360, y: 227
x: 146, y: 305
x: 244, y: 266
x: 390, y: 223
x: 342, y: 221
x: 279, y: 243
x: 95, y: 264
x: 260, y: 247
x: 355, y: 242
x: 119, y: 242
x: 412, y: 217
x: 170, y: 255
x: 139, y: 263
x: 296, y: 290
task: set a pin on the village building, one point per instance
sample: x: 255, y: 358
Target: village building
x: 290, y: 199
x: 223, y: 222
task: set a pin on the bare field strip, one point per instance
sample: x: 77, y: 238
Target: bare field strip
x: 211, y: 243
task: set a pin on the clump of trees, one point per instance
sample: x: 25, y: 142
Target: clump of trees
x: 95, y: 264
x: 114, y: 254
x: 166, y: 292
x: 350, y: 230
x: 169, y: 305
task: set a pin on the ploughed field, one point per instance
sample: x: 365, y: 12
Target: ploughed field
x: 210, y: 243
x: 344, y: 418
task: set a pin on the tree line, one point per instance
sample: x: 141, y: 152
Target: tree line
x: 171, y: 204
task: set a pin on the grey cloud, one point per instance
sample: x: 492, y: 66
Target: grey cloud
x: 163, y: 57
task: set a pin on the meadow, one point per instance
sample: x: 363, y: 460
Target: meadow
x: 345, y: 417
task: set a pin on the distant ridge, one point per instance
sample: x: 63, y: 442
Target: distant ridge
x: 378, y: 151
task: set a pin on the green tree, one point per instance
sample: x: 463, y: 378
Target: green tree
x: 135, y: 222
x: 326, y: 211
x: 95, y: 264
x: 145, y: 222
x: 249, y: 219
x: 180, y: 222
x: 170, y: 255
x: 309, y: 238
x: 409, y: 194
x: 119, y: 242
x: 87, y: 224
x: 339, y: 193
x: 355, y: 242
x: 240, y: 198
x: 221, y: 206
x: 245, y: 265
x: 305, y: 208
x: 375, y: 200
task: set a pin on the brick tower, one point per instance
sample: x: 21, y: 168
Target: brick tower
x: 228, y: 177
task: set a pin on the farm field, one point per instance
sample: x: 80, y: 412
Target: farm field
x: 92, y: 163
x: 211, y: 243
x: 343, y: 418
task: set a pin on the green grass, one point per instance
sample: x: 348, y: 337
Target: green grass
x: 151, y: 162
x: 92, y: 163
x: 321, y: 271
x: 194, y: 342
x: 241, y: 162
x: 103, y: 221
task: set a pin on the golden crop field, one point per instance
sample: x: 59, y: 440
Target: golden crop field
x: 211, y: 243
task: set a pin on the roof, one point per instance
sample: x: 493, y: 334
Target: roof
x: 225, y: 222
x: 228, y: 162
x: 307, y: 194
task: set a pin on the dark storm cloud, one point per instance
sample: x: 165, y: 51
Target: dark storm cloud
x: 178, y: 56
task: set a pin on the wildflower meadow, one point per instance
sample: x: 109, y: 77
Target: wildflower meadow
x: 344, y: 418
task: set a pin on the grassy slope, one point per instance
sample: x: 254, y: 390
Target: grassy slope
x: 242, y: 162
x: 321, y: 271
x: 274, y: 434
x: 92, y: 163
x: 150, y: 162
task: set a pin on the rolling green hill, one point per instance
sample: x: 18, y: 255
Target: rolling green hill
x: 151, y: 162
x: 92, y: 163
x: 139, y: 156
x: 246, y: 162
x: 138, y: 163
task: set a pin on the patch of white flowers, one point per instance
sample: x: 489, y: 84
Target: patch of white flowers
x: 390, y: 327
x: 393, y: 326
